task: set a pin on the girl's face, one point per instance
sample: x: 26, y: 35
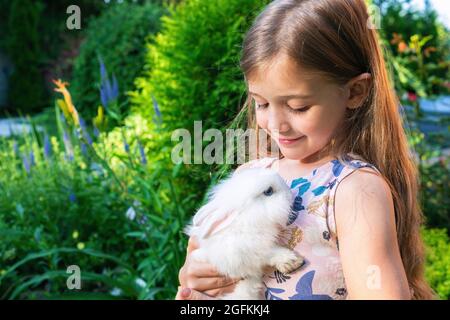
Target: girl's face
x: 292, y: 104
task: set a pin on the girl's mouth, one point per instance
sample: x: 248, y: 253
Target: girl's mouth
x: 289, y: 141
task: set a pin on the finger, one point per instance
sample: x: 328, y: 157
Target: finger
x: 203, y: 284
x: 191, y: 294
x: 192, y: 244
x: 220, y: 291
x: 223, y: 290
x: 201, y: 269
x: 178, y: 295
x: 194, y: 272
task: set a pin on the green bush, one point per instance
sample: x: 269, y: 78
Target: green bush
x: 420, y: 45
x: 434, y: 180
x: 100, y: 206
x: 118, y: 36
x: 437, y: 269
x: 35, y: 36
x: 26, y: 91
x: 192, y: 71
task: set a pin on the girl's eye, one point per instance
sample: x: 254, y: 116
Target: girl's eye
x: 262, y: 106
x: 294, y: 110
x: 300, y: 110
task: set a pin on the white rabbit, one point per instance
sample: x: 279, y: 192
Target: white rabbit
x: 238, y: 229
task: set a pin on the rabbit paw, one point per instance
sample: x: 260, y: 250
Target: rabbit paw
x: 287, y: 261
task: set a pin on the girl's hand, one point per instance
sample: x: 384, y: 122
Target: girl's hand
x: 202, y: 278
x: 189, y: 294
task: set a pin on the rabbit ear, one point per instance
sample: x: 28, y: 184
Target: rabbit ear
x: 217, y: 222
x: 204, y: 212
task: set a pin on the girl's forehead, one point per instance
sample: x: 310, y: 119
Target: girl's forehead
x: 285, y: 77
x: 284, y: 87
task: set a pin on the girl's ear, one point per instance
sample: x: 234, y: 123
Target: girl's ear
x: 358, y: 90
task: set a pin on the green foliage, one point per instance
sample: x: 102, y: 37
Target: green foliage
x: 437, y: 269
x: 118, y: 36
x: 100, y: 206
x: 23, y: 46
x: 434, y: 180
x: 420, y: 47
x: 34, y: 34
x: 192, y: 71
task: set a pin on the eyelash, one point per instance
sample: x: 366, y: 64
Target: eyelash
x: 299, y: 110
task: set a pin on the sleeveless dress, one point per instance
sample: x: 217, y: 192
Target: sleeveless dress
x: 311, y: 231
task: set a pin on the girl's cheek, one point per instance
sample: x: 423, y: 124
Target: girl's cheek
x: 308, y: 124
x: 261, y: 119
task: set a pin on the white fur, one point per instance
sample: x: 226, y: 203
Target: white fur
x: 238, y: 230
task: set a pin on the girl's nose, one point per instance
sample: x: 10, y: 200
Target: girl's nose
x: 277, y: 122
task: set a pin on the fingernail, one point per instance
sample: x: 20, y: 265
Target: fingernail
x: 186, y: 292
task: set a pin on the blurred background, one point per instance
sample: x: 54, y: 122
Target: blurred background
x: 86, y: 176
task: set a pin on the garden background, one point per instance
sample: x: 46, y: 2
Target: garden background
x: 86, y: 176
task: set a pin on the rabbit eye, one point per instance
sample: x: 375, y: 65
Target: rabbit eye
x: 268, y: 192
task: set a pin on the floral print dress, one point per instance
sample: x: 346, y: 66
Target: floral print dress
x: 311, y: 231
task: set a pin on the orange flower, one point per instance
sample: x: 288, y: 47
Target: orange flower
x: 396, y: 38
x: 402, y: 47
x: 428, y: 50
x: 61, y: 88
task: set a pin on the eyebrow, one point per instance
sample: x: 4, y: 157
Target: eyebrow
x: 302, y: 96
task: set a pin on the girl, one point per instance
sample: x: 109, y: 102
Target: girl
x: 318, y: 87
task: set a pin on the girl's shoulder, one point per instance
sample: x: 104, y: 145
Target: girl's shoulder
x: 362, y: 181
x: 355, y: 181
x: 362, y: 186
x: 356, y: 175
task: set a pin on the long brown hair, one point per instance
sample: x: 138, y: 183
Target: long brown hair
x: 334, y: 38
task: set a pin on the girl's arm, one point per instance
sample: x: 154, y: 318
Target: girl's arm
x: 368, y: 247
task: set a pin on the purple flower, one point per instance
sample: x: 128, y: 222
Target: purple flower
x: 32, y: 162
x: 84, y: 149
x: 142, y: 220
x: 47, y: 147
x: 96, y: 132
x: 85, y: 131
x: 28, y: 161
x: 26, y: 164
x: 126, y: 146
x: 68, y: 146
x: 158, y: 116
x: 142, y: 153
x: 103, y: 73
x: 109, y: 91
x: 16, y: 148
x: 72, y: 197
x: 103, y: 97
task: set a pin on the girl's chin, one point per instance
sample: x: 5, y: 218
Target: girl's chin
x: 292, y: 154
